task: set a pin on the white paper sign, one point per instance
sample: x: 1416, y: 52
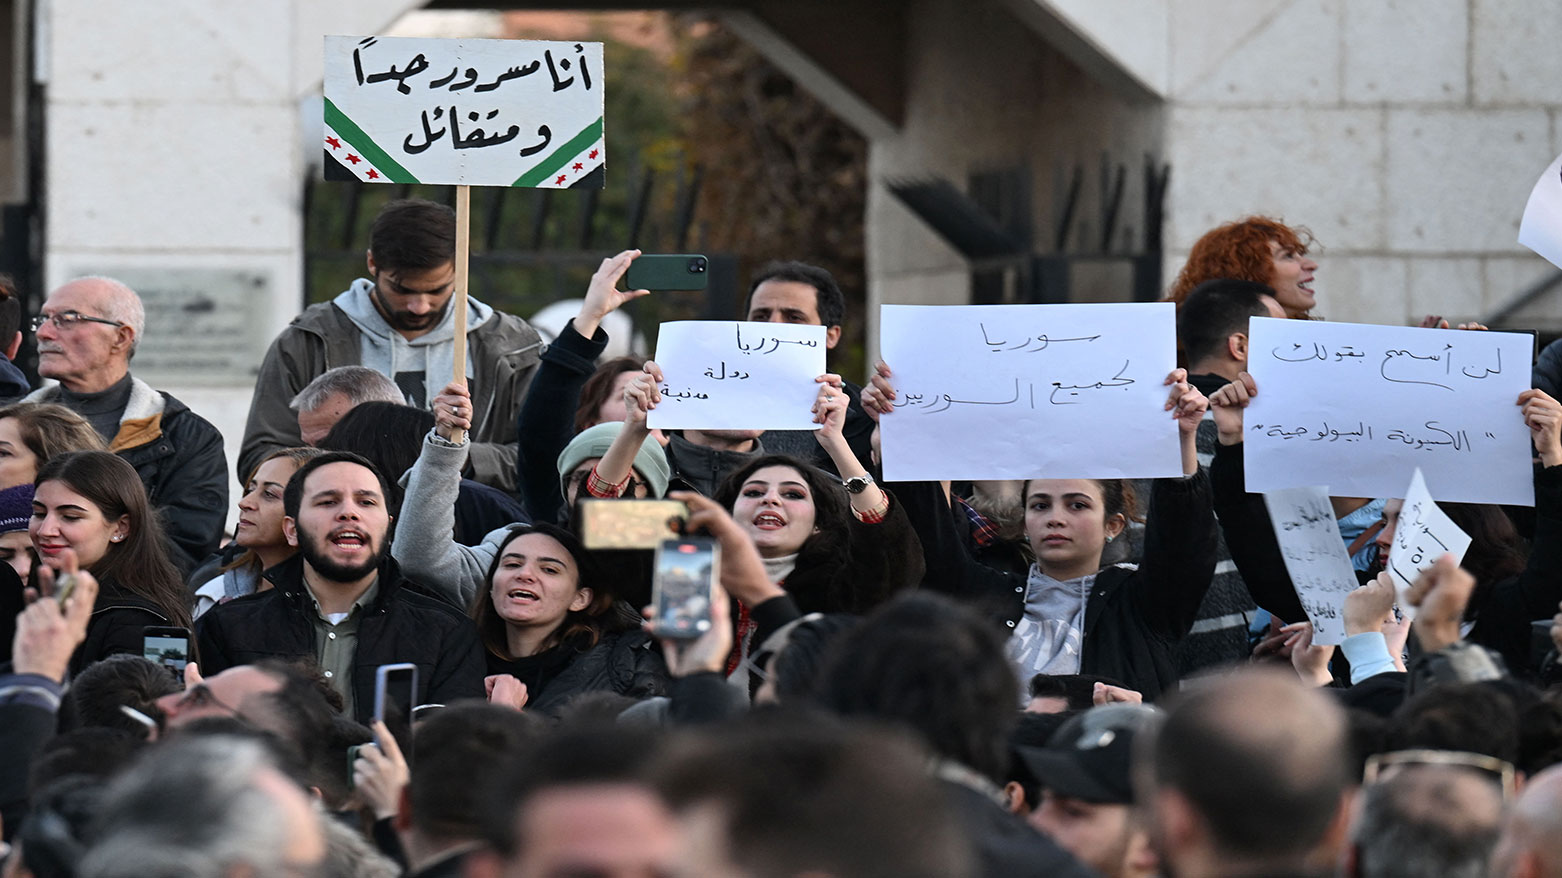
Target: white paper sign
x: 1029, y: 391
x: 1314, y: 552
x: 473, y: 112
x: 1541, y: 228
x: 1362, y: 407
x: 729, y: 375
x: 1421, y: 536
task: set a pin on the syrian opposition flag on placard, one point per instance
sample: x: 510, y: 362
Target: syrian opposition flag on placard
x: 580, y: 166
x: 464, y: 112
x: 344, y: 161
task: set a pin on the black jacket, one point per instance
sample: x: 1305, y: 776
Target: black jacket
x: 627, y: 663
x: 178, y: 455
x: 546, y: 422
x: 1133, y: 617
x: 116, y: 626
x: 401, y: 625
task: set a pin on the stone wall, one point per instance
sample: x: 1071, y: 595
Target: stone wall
x: 1406, y: 134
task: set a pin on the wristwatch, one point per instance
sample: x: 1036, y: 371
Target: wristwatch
x: 857, y: 484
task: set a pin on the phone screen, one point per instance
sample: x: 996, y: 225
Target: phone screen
x: 167, y: 647
x: 685, y: 571
x: 395, y: 694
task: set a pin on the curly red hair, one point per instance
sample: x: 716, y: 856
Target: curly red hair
x: 1238, y: 250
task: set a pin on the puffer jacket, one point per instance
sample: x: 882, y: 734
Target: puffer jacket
x: 627, y: 663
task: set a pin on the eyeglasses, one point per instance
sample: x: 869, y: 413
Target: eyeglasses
x: 67, y: 319
x: 1379, y: 765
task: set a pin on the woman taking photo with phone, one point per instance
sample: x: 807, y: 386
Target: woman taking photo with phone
x: 552, y: 630
x: 91, y: 506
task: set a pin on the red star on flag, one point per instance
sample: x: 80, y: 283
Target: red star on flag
x: 578, y: 166
x: 592, y: 154
x: 560, y: 180
x: 354, y: 159
x: 335, y: 144
x: 373, y: 174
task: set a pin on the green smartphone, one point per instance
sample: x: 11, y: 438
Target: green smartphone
x: 667, y: 271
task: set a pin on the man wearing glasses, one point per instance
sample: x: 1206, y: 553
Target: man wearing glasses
x: 87, y: 332
x: 398, y: 321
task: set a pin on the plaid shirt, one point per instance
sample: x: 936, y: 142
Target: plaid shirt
x: 983, y: 532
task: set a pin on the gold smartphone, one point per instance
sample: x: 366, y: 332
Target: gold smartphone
x: 631, y: 524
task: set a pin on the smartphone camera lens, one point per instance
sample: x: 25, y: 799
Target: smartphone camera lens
x: 697, y: 265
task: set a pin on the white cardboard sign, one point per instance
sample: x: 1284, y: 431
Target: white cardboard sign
x: 1363, y: 406
x: 731, y: 375
x: 1541, y: 228
x: 1029, y: 391
x: 1314, y: 553
x: 1421, y: 536
x: 467, y: 112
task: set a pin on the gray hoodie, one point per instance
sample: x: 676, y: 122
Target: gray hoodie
x: 419, y: 367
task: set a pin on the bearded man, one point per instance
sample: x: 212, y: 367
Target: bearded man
x: 341, y: 601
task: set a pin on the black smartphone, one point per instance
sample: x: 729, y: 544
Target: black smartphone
x: 169, y: 646
x: 630, y: 524
x: 668, y: 271
x: 395, y: 694
x: 681, y: 587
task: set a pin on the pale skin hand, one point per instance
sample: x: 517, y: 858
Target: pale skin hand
x: 1543, y: 416
x: 47, y: 632
x: 1105, y: 694
x: 640, y: 396
x: 1229, y: 401
x: 452, y: 411
x: 380, y: 773
x: 1437, y: 321
x: 505, y: 691
x: 1187, y: 406
x: 1440, y: 595
x: 603, y: 296
x: 709, y: 651
x: 1556, y: 629
x: 1370, y: 606
x: 1311, y: 662
x: 830, y: 410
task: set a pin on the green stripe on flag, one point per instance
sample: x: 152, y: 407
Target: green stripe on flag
x: 364, y: 144
x: 560, y: 156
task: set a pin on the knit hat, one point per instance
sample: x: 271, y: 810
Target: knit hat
x: 650, y: 460
x: 16, y: 507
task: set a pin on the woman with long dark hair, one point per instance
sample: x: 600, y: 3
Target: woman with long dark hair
x: 550, y: 621
x: 92, y: 503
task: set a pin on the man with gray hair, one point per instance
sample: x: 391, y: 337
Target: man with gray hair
x: 209, y: 806
x: 1426, y: 821
x: 1531, y: 841
x: 336, y: 392
x: 87, y: 333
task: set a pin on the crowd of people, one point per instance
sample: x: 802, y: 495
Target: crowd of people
x: 1053, y: 677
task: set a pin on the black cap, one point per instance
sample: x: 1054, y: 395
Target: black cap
x: 1091, y: 756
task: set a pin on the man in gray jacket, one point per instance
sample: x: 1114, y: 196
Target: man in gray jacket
x: 398, y: 321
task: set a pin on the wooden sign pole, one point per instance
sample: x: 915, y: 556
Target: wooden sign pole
x: 463, y: 246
